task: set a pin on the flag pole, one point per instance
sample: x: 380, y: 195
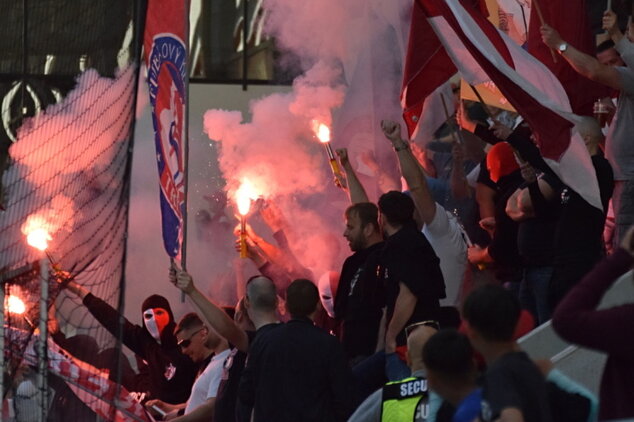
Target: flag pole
x: 541, y: 20
x: 481, y: 100
x: 186, y: 145
x: 455, y: 134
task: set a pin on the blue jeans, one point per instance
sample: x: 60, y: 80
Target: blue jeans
x: 534, y: 292
x: 395, y: 368
x: 373, y: 372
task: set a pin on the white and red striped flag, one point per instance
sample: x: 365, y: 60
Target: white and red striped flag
x: 109, y: 401
x: 425, y: 76
x: 483, y: 53
x: 427, y: 67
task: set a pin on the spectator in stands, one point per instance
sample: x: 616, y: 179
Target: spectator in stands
x: 575, y: 250
x: 441, y: 228
x: 171, y: 373
x: 297, y: 371
x: 413, y: 279
x: 513, y: 389
x: 239, y: 332
x: 359, y: 298
x: 502, y: 252
x: 407, y: 399
x: 535, y: 240
x: 204, y: 346
x: 618, y: 146
x: 452, y: 373
x: 577, y: 320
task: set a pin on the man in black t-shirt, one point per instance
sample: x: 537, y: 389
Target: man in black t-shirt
x: 410, y: 270
x: 360, y: 298
x: 513, y: 388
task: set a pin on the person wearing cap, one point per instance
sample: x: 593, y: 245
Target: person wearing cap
x: 171, y: 373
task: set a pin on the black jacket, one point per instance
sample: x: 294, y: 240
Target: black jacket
x: 296, y: 372
x: 171, y: 374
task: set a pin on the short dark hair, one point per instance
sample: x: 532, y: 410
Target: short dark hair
x: 261, y: 293
x: 449, y: 353
x: 302, y: 297
x: 493, y: 311
x: 188, y: 321
x: 605, y: 45
x: 367, y: 212
x: 397, y: 207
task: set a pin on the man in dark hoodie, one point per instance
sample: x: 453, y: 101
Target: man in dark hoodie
x: 171, y: 374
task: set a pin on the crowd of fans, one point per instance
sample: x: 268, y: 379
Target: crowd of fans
x: 484, y: 242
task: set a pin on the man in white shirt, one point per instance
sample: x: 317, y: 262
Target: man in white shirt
x: 203, y: 346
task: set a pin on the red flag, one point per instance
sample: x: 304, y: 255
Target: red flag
x: 570, y: 19
x: 482, y: 53
x: 427, y: 66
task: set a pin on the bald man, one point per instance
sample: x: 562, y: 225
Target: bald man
x: 407, y: 399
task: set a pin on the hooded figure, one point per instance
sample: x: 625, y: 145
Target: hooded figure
x: 158, y: 319
x: 167, y: 375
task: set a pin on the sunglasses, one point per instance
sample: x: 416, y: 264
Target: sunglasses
x: 429, y: 323
x: 184, y: 343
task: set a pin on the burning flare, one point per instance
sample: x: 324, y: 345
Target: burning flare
x: 322, y: 132
x: 36, y: 229
x: 15, y: 305
x: 244, y: 195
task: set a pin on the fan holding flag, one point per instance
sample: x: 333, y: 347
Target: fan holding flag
x: 618, y: 147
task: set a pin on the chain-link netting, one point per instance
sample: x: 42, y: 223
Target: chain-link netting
x: 68, y: 79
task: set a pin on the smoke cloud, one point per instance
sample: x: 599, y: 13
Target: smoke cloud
x: 66, y: 177
x: 351, y: 52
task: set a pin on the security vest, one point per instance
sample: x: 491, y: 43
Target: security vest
x: 401, y: 400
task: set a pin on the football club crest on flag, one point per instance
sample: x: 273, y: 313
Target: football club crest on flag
x: 166, y: 58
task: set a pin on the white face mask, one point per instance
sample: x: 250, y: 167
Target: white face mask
x: 155, y: 320
x: 326, y: 293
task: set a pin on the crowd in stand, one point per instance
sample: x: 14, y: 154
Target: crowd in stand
x: 483, y: 243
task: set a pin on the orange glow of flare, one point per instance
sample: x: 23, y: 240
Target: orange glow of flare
x: 244, y: 195
x: 39, y: 238
x: 322, y: 132
x: 37, y: 231
x: 15, y: 305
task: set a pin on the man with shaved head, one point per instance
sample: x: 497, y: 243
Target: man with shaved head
x: 261, y: 301
x: 408, y: 399
x: 256, y: 310
x: 297, y: 371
